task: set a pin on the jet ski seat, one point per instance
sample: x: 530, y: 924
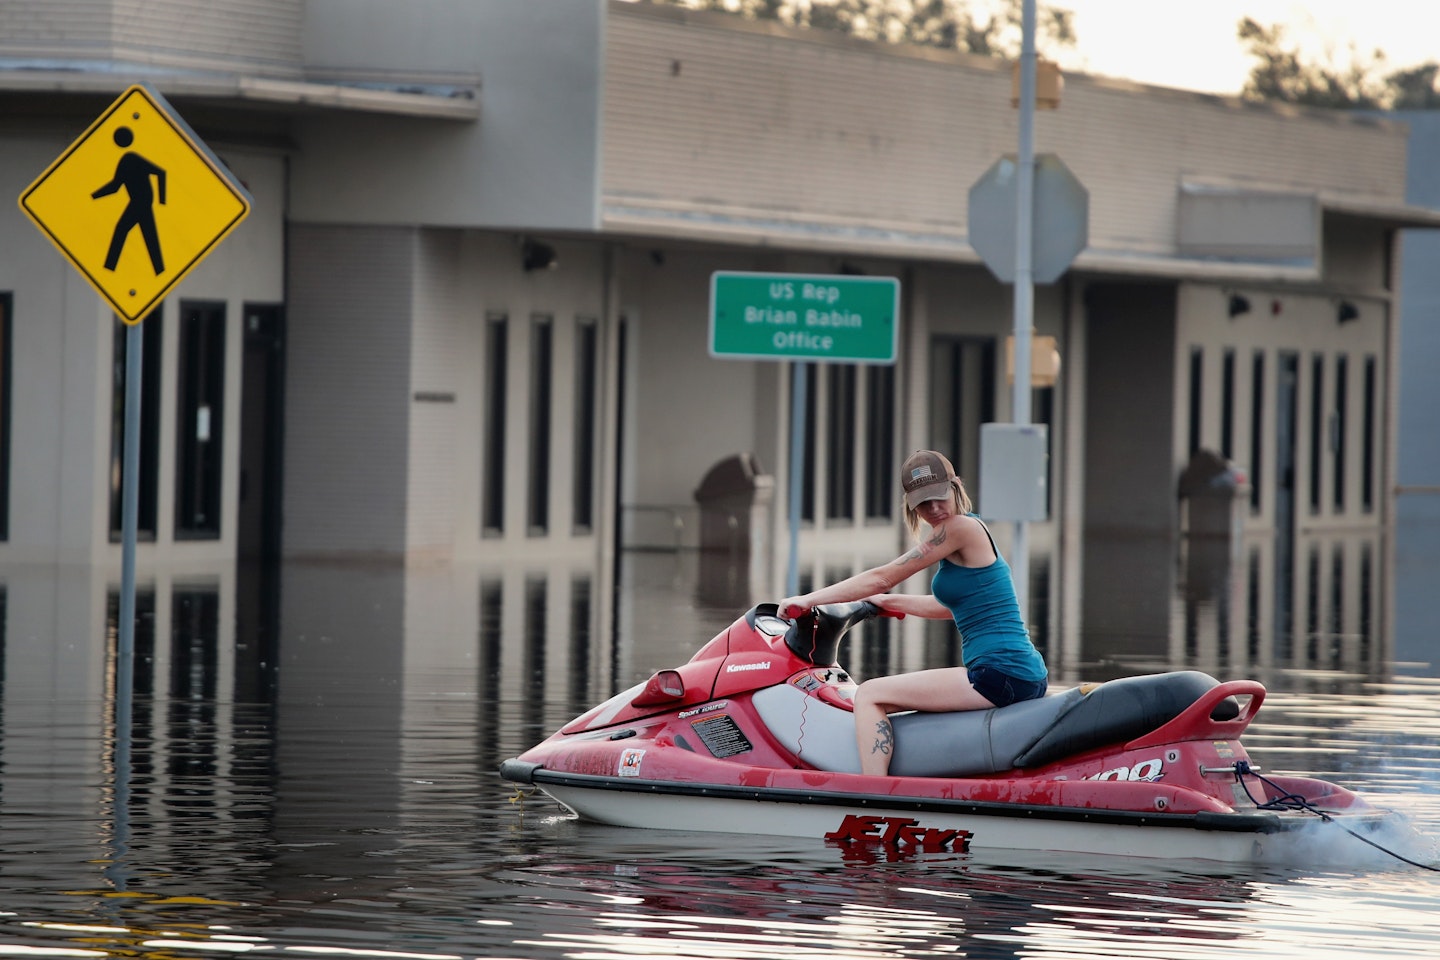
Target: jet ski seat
x: 1032, y: 733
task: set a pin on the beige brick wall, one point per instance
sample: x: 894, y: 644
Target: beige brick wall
x: 710, y: 120
x: 259, y: 37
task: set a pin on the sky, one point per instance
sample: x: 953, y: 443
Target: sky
x: 1191, y: 44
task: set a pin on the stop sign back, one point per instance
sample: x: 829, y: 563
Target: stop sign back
x: 1061, y: 218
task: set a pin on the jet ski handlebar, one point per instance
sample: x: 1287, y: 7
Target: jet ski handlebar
x: 815, y: 635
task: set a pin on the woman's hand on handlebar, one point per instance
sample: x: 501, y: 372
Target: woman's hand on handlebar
x: 793, y: 608
x: 889, y: 604
x: 923, y: 605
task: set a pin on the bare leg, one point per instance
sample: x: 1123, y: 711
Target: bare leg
x: 875, y: 762
x: 947, y: 688
x: 874, y: 736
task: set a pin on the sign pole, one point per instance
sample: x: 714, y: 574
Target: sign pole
x: 1024, y: 279
x: 125, y: 648
x: 129, y: 508
x: 799, y: 375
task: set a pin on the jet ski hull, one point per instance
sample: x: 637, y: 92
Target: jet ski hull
x: 931, y: 821
x: 754, y: 735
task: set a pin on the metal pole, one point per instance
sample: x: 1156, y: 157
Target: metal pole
x: 1024, y: 276
x: 130, y: 506
x: 125, y: 652
x: 798, y: 377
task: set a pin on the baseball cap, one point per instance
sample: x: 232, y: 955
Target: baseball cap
x: 926, y: 475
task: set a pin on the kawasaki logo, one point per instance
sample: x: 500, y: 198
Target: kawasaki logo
x: 737, y: 667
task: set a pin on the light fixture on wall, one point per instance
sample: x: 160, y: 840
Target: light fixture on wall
x: 1346, y: 311
x: 535, y: 255
x: 1237, y: 305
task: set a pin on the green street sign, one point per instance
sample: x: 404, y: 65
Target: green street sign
x: 791, y: 316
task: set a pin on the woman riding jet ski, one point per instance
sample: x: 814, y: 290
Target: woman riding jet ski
x: 762, y: 731
x: 972, y: 585
x: 756, y: 735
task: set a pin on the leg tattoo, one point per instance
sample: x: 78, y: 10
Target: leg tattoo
x: 884, y: 738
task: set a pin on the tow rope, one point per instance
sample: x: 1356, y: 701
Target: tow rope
x: 1293, y: 801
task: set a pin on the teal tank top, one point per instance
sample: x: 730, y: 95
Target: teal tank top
x: 987, y: 613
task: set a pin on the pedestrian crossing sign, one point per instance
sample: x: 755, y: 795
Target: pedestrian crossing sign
x: 136, y: 202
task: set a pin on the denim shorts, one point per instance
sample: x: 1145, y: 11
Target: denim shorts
x: 1002, y: 689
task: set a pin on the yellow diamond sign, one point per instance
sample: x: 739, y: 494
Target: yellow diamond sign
x: 136, y: 202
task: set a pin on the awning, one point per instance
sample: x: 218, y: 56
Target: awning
x: 438, y: 100
x: 1272, y: 226
x: 1398, y: 215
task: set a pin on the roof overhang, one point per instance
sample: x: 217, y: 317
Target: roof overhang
x: 1395, y: 215
x: 1260, y: 236
x: 450, y: 101
x: 1276, y: 226
x: 1238, y: 236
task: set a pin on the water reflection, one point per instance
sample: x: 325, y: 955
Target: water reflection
x: 314, y: 752
x: 1251, y: 609
x: 768, y: 900
x: 1416, y: 572
x: 608, y: 896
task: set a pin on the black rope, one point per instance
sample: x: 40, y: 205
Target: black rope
x: 1294, y: 801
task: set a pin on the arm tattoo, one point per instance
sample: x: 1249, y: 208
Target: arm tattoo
x: 937, y: 539
x: 884, y: 738
x: 901, y: 561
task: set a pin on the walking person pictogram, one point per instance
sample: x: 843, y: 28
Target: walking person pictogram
x: 133, y: 172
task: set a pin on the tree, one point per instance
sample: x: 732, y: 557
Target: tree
x: 1415, y: 88
x: 989, y: 27
x: 1282, y: 74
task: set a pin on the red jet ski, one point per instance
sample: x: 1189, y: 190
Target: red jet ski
x: 756, y: 735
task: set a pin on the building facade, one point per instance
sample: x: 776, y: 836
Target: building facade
x: 1417, y: 484
x: 467, y: 317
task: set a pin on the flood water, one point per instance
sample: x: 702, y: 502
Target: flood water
x: 312, y: 771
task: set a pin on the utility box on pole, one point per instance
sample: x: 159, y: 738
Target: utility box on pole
x: 1014, y: 460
